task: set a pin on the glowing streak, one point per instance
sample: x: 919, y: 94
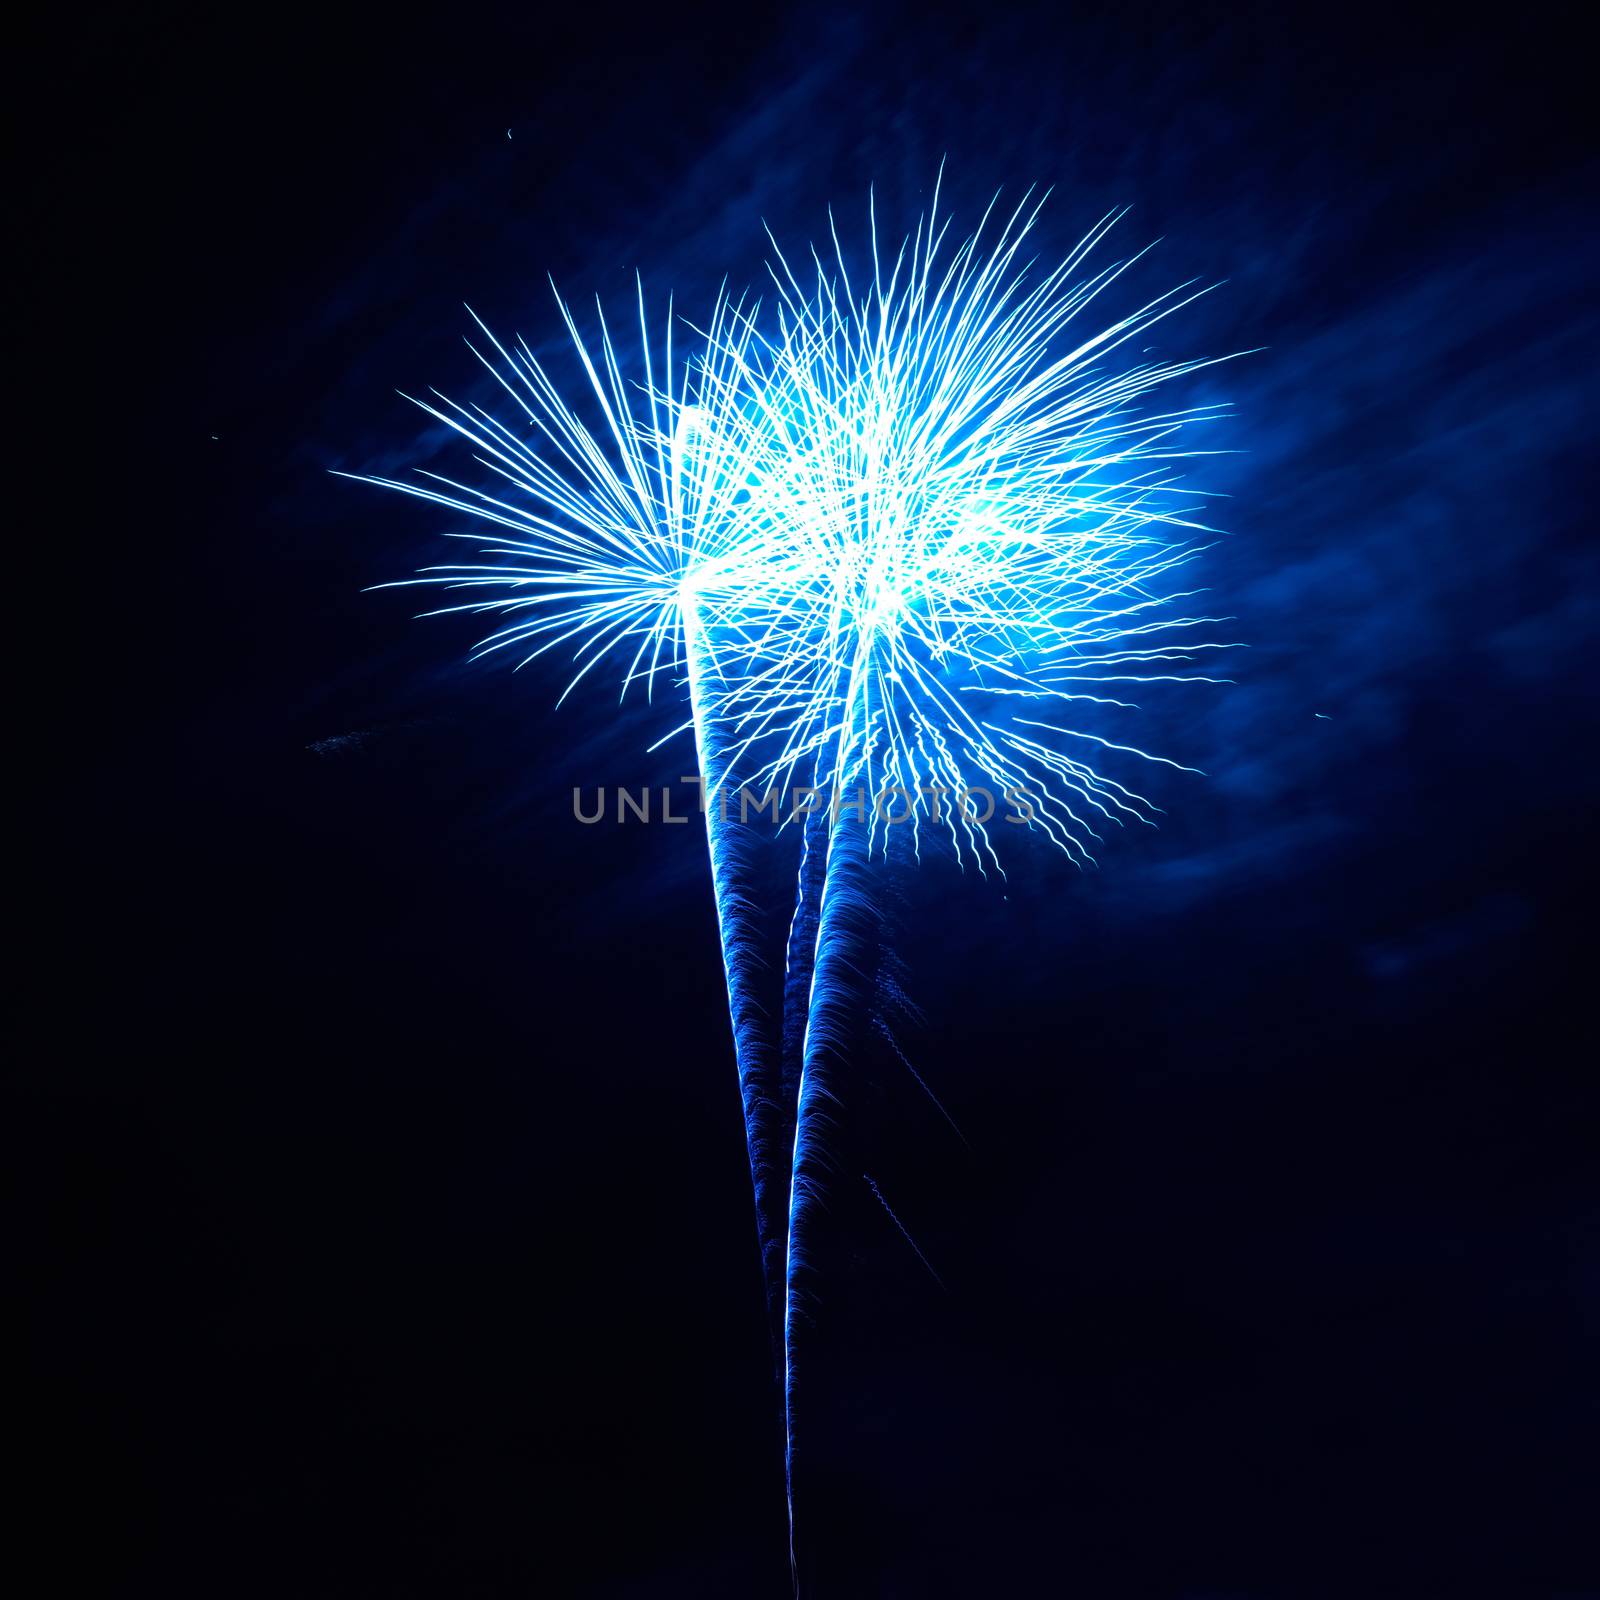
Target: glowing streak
x: 843, y: 929
x: 753, y: 1054
x: 887, y: 1035
x: 905, y: 1233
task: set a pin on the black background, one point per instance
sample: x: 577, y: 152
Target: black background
x: 380, y: 1164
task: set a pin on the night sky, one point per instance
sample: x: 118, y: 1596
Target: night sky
x: 387, y: 1221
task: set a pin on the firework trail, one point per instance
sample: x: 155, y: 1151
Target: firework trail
x: 756, y: 1051
x: 905, y: 1232
x: 886, y: 1033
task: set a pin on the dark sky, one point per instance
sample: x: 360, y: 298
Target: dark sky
x: 389, y: 1228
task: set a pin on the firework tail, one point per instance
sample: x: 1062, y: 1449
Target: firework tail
x: 755, y: 1050
x: 846, y: 924
x: 802, y: 946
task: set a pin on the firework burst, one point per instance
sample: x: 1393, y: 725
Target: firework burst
x: 899, y: 539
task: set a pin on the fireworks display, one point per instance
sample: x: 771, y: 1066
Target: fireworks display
x: 890, y: 535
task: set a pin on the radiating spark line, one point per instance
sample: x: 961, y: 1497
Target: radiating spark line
x: 887, y: 1035
x: 905, y: 1233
